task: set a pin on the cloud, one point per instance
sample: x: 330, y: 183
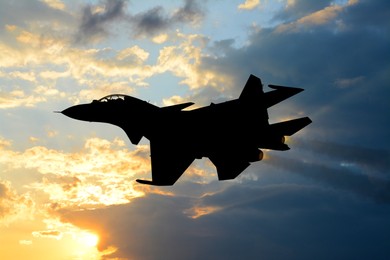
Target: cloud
x: 341, y: 177
x: 14, y: 206
x: 56, y: 4
x: 25, y: 242
x: 95, y: 19
x: 45, y: 62
x: 191, y: 13
x: 183, y: 60
x: 161, y: 38
x: 17, y: 98
x: 323, y: 16
x: 40, y: 62
x: 173, y: 100
x: 150, y: 22
x: 249, y: 5
x: 296, y: 9
x: 348, y: 82
x: 26, y: 14
x: 373, y: 159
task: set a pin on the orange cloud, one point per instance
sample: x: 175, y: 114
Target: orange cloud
x: 199, y: 211
x: 320, y: 17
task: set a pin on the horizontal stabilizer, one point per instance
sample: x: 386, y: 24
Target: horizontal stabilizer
x: 178, y: 107
x: 290, y: 127
x: 279, y: 94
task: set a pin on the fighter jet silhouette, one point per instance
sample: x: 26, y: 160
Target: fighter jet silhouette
x: 229, y: 134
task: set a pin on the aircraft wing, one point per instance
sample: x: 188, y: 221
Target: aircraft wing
x: 229, y: 167
x: 168, y: 163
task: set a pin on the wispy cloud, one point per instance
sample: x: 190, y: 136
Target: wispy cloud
x: 249, y: 5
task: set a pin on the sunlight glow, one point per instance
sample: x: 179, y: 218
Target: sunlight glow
x: 89, y: 239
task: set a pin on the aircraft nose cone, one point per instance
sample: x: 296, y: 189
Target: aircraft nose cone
x: 80, y: 112
x: 70, y: 112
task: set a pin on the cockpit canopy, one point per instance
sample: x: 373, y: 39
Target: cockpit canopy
x: 119, y: 99
x: 114, y: 97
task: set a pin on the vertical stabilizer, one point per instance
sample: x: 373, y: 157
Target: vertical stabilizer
x: 253, y: 89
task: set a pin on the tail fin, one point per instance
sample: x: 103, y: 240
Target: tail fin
x: 253, y: 89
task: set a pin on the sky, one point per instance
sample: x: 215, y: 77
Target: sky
x: 68, y: 190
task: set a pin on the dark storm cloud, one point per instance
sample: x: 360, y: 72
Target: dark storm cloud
x: 255, y: 222
x: 94, y: 23
x: 343, y: 178
x: 156, y: 20
x: 370, y: 158
x: 369, y: 15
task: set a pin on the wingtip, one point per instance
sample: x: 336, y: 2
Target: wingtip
x: 153, y: 183
x: 144, y: 181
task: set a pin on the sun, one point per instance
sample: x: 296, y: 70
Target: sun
x: 89, y: 239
